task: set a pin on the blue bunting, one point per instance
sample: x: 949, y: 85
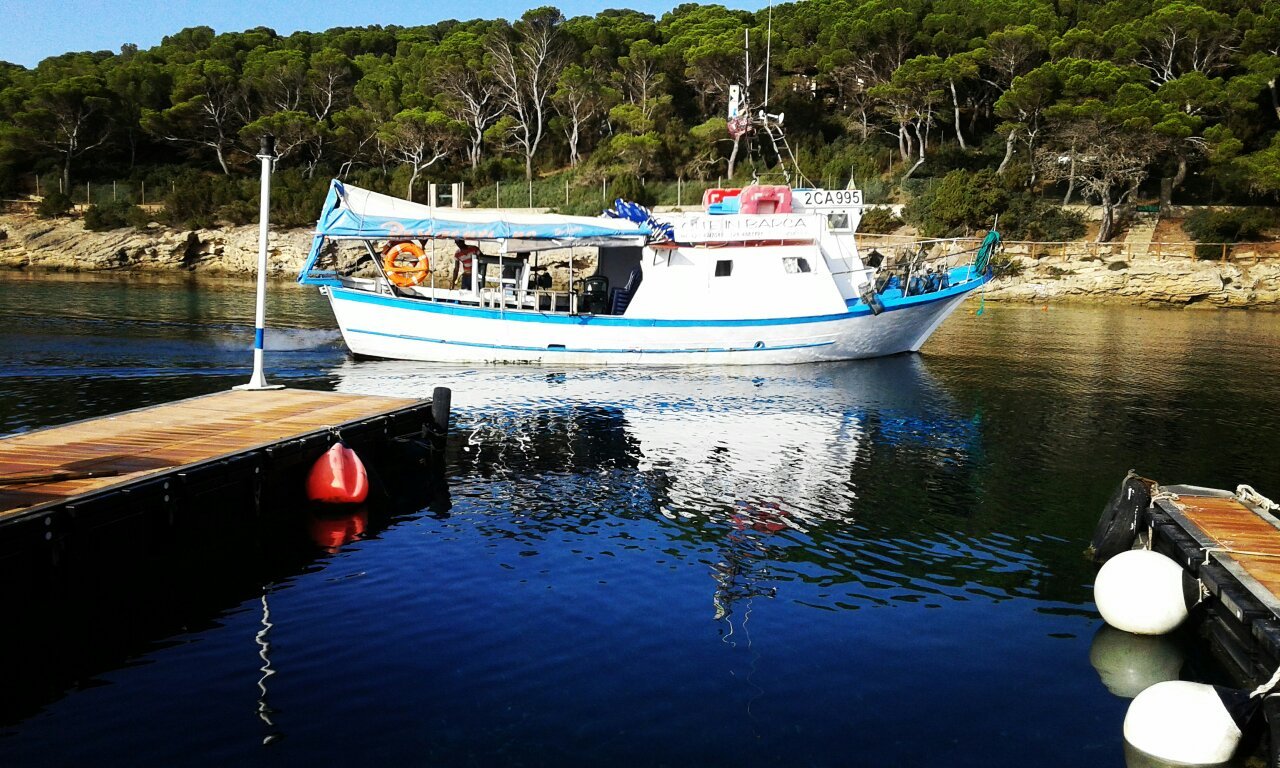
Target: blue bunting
x: 661, y: 231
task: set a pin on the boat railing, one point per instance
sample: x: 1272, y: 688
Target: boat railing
x: 537, y: 300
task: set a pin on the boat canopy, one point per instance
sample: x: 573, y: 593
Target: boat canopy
x: 351, y: 213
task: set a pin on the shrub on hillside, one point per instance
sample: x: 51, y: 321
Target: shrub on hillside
x: 964, y: 202
x: 1027, y: 217
x: 629, y: 188
x: 54, y: 204
x: 961, y: 203
x: 195, y: 198
x: 879, y: 221
x: 1233, y: 225
x: 104, y: 216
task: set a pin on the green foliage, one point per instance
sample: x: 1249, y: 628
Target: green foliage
x: 625, y: 96
x: 196, y: 197
x: 53, y: 205
x: 1027, y: 217
x: 107, y: 216
x: 1232, y: 225
x: 959, y: 204
x: 879, y: 221
x: 630, y: 188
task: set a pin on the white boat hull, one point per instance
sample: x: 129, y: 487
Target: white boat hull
x: 384, y: 326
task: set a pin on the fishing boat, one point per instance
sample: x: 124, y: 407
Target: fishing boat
x: 765, y: 274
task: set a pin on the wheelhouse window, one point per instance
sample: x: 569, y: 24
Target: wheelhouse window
x: 724, y: 267
x: 794, y: 265
x: 837, y: 221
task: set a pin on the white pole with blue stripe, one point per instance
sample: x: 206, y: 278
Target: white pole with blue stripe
x: 267, y: 154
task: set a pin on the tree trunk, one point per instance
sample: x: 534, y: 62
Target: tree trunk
x: 573, y: 145
x: 1008, y: 153
x: 1071, y: 180
x: 222, y: 161
x: 1108, y: 217
x: 413, y: 177
x: 66, y: 175
x: 1275, y: 97
x: 920, y: 160
x: 733, y: 156
x: 1178, y: 177
x: 955, y: 109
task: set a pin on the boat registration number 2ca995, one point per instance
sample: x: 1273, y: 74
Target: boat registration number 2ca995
x: 828, y: 198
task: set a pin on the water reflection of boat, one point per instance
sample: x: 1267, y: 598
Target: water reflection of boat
x: 745, y: 458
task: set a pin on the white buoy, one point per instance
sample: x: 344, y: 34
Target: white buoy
x: 1128, y: 664
x: 1186, y: 723
x: 1140, y: 591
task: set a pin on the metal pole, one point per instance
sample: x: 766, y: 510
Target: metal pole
x: 144, y: 193
x: 497, y: 195
x: 113, y: 191
x: 566, y: 191
x: 259, y: 379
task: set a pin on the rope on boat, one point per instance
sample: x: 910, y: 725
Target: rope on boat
x: 1266, y: 687
x: 1231, y: 551
x: 1245, y: 493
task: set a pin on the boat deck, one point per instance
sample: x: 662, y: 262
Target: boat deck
x: 61, y: 464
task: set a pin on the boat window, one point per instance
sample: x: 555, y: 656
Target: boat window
x: 724, y: 267
x: 837, y: 221
x: 795, y: 264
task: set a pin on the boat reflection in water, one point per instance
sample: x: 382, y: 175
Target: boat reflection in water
x: 769, y: 473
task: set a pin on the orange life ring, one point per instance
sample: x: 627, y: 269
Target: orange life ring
x: 405, y: 263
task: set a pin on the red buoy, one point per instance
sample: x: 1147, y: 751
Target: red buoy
x: 338, y: 477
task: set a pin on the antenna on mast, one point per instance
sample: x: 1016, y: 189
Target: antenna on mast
x: 768, y: 52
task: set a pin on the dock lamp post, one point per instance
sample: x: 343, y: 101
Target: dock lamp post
x: 267, y: 154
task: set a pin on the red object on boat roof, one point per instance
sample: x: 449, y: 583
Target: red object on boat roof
x: 338, y: 477
x: 717, y: 195
x: 765, y: 198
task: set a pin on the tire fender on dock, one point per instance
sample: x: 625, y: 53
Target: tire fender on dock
x: 1125, y: 512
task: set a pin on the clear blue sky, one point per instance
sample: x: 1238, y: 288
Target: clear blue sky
x: 31, y: 30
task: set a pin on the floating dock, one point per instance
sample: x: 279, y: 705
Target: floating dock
x: 1230, y: 544
x: 119, y: 482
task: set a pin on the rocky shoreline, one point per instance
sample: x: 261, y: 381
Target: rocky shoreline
x: 1091, y: 277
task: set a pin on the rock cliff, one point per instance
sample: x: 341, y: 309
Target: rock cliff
x: 1090, y: 276
x: 1177, y: 281
x: 64, y: 244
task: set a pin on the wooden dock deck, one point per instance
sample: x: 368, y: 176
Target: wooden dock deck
x: 130, y: 479
x: 1233, y: 549
x: 85, y: 457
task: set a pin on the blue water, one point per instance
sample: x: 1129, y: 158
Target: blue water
x: 876, y: 563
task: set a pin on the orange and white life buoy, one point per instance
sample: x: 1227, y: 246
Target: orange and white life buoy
x: 405, y: 263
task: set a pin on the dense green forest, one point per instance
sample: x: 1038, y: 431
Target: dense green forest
x: 962, y: 106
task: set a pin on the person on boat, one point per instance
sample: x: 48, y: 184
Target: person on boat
x: 464, y: 260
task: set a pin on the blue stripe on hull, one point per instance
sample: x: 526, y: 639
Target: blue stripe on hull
x: 855, y: 309
x: 558, y: 349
